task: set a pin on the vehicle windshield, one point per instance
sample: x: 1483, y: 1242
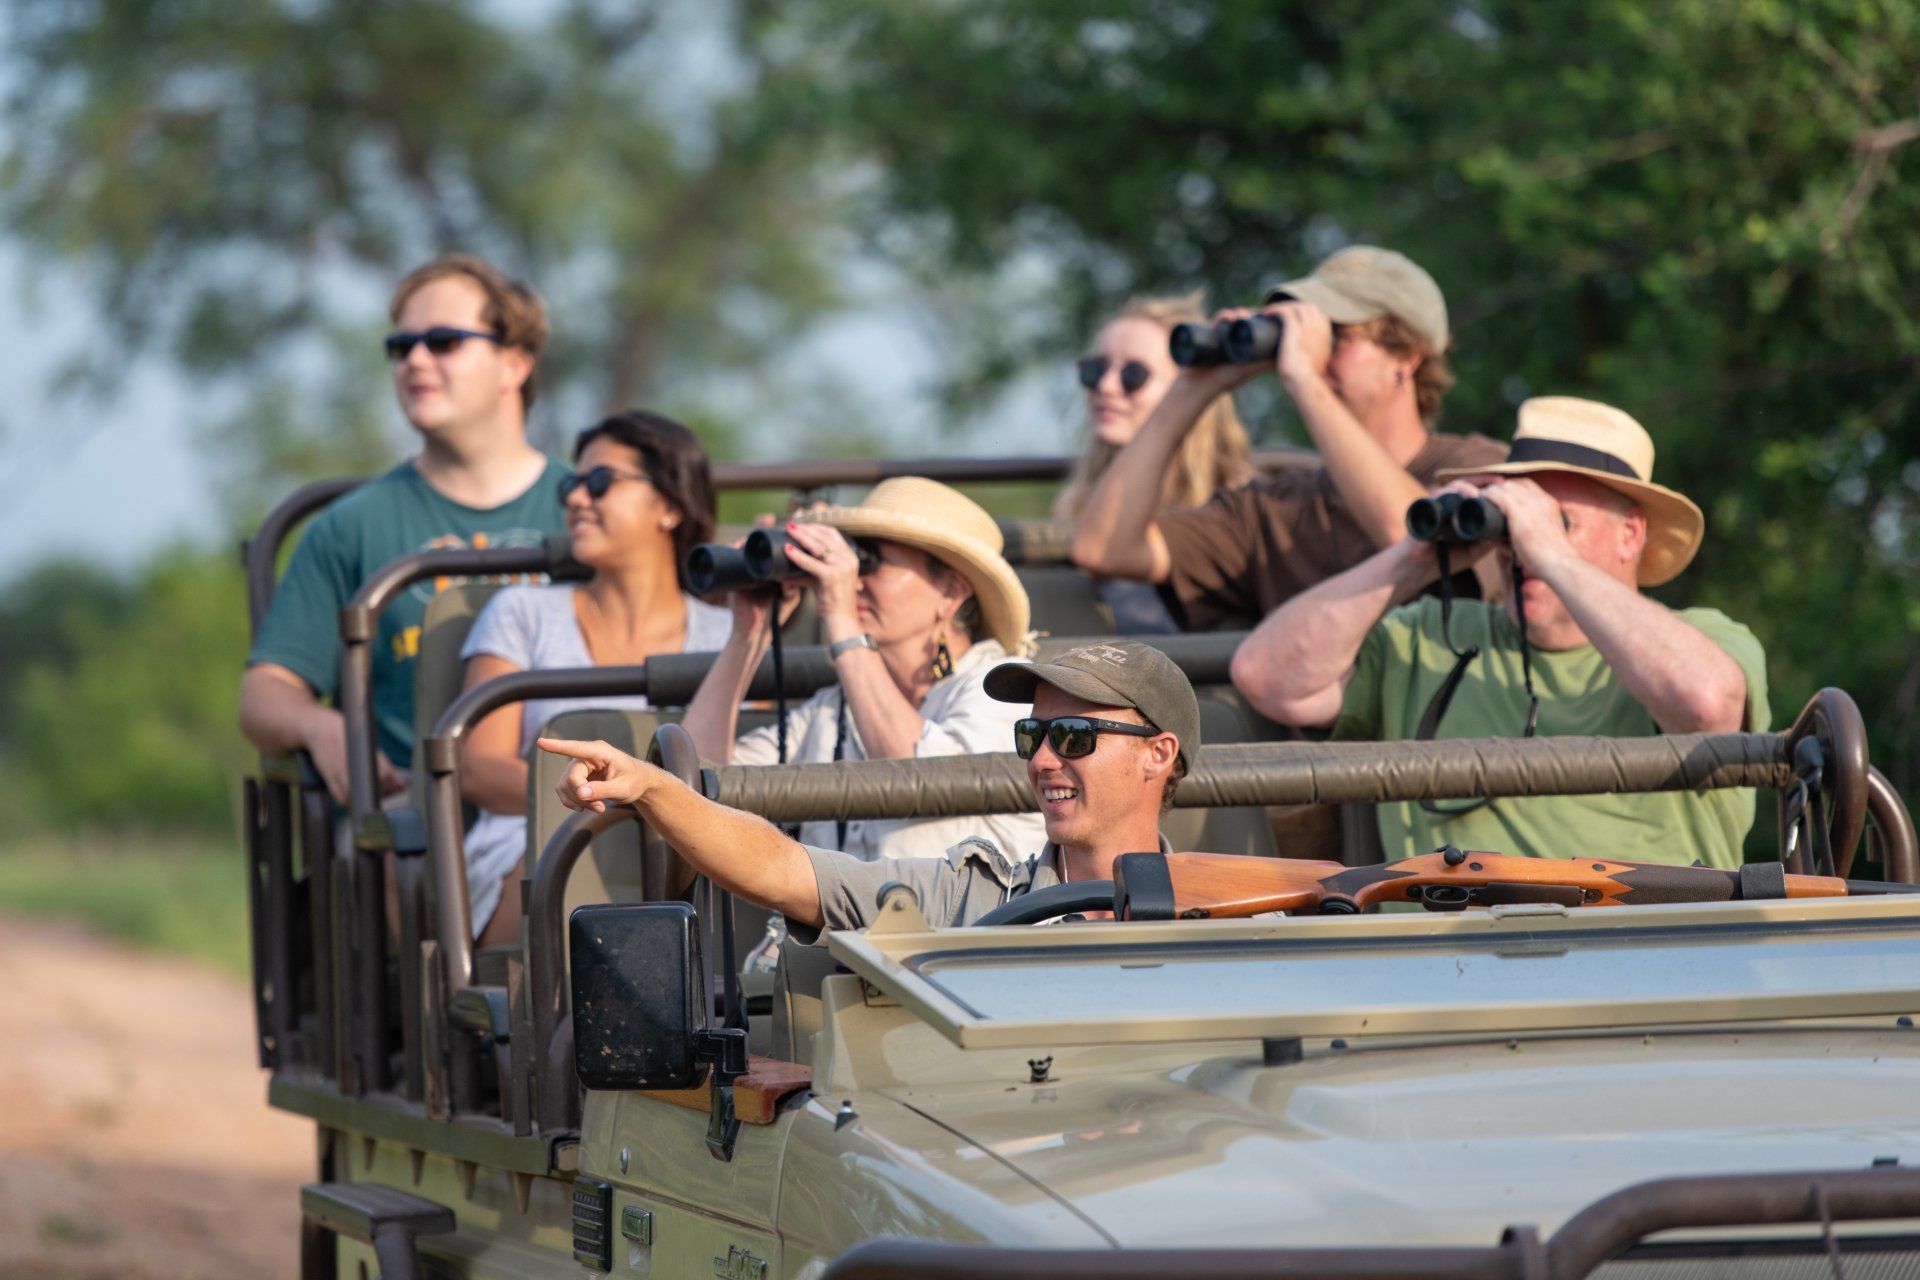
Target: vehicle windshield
x: 1712, y: 972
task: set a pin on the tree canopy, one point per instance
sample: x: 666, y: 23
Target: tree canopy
x: 1701, y: 212
x: 1690, y: 209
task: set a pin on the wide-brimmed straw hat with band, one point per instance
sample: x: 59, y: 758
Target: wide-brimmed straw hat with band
x: 948, y: 524
x: 1598, y: 441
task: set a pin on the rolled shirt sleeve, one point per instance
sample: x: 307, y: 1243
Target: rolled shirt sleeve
x: 971, y: 879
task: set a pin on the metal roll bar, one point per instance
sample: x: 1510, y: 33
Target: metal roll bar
x: 818, y: 475
x: 366, y: 908
x: 1590, y: 1237
x: 260, y: 554
x: 1895, y: 824
x: 1028, y: 541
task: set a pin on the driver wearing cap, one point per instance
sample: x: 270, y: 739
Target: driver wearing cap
x: 1112, y: 731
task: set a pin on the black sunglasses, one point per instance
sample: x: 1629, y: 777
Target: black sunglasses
x: 1070, y: 736
x: 1133, y: 374
x: 440, y: 340
x: 597, y: 481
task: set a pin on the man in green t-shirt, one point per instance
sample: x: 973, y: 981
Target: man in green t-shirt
x: 1589, y: 529
x: 465, y: 343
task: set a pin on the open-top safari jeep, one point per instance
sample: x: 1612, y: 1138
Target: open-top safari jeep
x: 1527, y: 1089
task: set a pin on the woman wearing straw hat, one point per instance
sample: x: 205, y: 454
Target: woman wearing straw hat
x: 1579, y: 649
x: 911, y: 641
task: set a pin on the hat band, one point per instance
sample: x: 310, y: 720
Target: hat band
x: 1534, y: 449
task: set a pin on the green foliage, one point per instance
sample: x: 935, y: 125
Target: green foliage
x: 122, y: 700
x: 1688, y: 208
x: 241, y: 181
x: 184, y: 896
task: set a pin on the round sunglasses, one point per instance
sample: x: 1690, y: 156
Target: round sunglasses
x: 597, y: 481
x: 1070, y: 736
x: 1133, y: 374
x: 440, y: 340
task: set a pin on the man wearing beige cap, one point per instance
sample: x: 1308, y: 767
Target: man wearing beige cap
x: 1112, y: 731
x: 1588, y: 529
x: 1363, y: 357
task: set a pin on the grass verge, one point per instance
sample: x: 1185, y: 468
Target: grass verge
x: 186, y: 896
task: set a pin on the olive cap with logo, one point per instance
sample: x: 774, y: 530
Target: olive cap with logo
x: 1365, y: 282
x: 1112, y: 673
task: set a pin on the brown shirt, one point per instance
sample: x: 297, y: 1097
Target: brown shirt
x: 1250, y: 549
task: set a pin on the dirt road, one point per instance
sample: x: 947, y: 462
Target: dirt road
x: 135, y: 1139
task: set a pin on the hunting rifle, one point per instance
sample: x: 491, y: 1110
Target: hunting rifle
x: 1200, y: 886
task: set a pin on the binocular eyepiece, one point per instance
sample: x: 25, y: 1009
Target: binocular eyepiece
x: 760, y: 561
x: 1245, y: 341
x: 1455, y: 518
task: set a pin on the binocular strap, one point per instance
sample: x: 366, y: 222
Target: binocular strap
x: 1443, y: 696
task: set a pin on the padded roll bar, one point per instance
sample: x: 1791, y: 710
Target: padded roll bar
x: 1264, y: 773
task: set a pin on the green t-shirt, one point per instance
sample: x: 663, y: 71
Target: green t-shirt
x: 394, y: 515
x: 1404, y: 660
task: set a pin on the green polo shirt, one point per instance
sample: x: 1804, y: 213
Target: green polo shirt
x: 393, y: 515
x: 1404, y: 660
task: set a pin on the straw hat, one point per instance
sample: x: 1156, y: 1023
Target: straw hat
x: 928, y: 515
x: 1598, y: 441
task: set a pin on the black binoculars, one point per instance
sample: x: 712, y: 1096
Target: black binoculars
x: 1245, y: 341
x: 760, y: 561
x: 1455, y: 518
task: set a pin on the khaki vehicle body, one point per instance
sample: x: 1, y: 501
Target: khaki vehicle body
x: 1760, y: 1037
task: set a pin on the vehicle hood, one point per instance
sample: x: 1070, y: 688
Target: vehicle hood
x: 1435, y: 1144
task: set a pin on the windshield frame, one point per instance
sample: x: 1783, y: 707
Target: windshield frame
x: 906, y: 964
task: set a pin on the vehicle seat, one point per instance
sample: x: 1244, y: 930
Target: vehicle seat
x: 438, y: 672
x: 1066, y: 601
x: 797, y: 1009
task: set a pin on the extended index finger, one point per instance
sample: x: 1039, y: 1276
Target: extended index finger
x: 595, y: 752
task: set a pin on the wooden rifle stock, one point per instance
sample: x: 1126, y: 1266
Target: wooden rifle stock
x: 1198, y: 886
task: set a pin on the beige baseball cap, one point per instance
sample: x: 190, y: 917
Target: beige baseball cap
x: 1364, y: 282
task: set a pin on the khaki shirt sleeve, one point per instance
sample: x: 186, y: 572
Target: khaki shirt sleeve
x: 971, y: 879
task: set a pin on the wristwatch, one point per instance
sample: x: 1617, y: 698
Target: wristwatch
x: 851, y: 643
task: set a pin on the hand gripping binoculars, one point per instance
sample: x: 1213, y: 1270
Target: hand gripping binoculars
x: 1455, y: 518
x: 1246, y: 341
x: 760, y: 561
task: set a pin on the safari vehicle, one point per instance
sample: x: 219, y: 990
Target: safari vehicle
x: 1528, y: 1088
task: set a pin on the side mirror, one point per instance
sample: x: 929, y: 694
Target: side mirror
x: 639, y: 1010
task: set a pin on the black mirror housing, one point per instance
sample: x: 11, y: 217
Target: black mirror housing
x: 639, y: 1011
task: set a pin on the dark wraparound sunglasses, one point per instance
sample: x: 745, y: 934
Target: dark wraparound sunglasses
x: 1133, y: 374
x: 597, y: 481
x: 1070, y: 736
x: 440, y: 340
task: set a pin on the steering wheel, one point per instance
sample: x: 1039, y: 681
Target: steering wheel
x: 1830, y: 736
x: 1054, y: 900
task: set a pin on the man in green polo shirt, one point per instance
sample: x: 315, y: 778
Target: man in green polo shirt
x: 1589, y: 529
x: 464, y: 348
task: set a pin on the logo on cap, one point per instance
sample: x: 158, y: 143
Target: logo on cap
x: 1100, y: 653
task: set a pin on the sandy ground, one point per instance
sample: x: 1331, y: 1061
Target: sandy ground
x: 135, y: 1139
